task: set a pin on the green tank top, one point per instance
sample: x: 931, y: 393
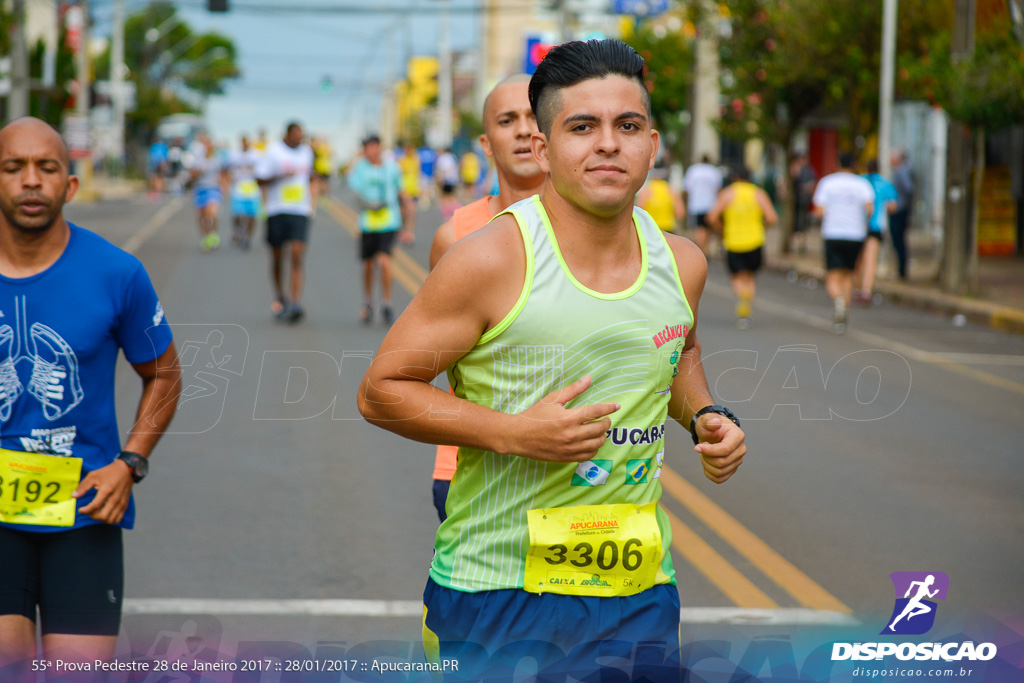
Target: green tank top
x: 559, y: 330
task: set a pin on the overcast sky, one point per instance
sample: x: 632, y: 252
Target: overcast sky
x: 284, y: 55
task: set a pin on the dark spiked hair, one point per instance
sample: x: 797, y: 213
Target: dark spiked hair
x: 577, y: 61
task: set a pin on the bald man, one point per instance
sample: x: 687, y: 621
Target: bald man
x: 70, y: 301
x: 508, y: 125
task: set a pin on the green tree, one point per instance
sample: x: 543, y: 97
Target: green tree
x: 783, y: 60
x: 669, y: 59
x: 984, y: 92
x: 174, y: 68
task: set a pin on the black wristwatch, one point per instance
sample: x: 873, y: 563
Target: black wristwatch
x: 138, y: 465
x: 721, y: 410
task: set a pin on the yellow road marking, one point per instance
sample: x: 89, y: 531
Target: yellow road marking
x: 716, y: 568
x: 761, y: 555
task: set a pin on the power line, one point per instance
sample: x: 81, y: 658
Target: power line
x: 354, y: 9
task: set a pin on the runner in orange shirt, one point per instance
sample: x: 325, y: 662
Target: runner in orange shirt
x: 508, y: 125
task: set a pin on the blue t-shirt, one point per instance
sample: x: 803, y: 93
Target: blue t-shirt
x: 427, y: 158
x: 60, y: 332
x: 885, y: 192
x: 378, y: 185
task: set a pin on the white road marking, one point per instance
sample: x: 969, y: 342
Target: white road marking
x: 414, y: 608
x: 158, y: 221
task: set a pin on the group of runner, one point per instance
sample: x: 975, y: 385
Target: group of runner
x: 567, y: 323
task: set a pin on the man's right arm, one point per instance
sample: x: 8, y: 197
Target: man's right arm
x: 471, y: 290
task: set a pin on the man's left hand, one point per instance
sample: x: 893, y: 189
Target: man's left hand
x: 113, y: 485
x: 721, y: 446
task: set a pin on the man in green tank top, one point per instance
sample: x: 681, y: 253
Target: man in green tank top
x: 567, y: 328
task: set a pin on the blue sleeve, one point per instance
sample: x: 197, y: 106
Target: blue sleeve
x: 355, y: 178
x: 142, y: 329
x: 890, y: 193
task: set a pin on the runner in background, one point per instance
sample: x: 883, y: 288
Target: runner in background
x: 157, y: 167
x: 208, y: 177
x: 446, y: 172
x: 867, y: 262
x: 804, y: 179
x: 469, y: 174
x: 323, y: 165
x: 741, y: 213
x: 656, y: 197
x: 410, y: 165
x: 508, y: 126
x: 285, y: 174
x: 378, y: 185
x: 701, y: 184
x: 245, y: 193
x: 844, y: 201
x: 428, y: 168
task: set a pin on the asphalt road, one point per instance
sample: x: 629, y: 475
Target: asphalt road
x: 274, y: 515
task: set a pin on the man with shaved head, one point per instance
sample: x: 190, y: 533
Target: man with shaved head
x: 69, y: 300
x: 509, y: 124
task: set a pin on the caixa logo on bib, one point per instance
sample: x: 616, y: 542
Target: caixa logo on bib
x: 913, y: 614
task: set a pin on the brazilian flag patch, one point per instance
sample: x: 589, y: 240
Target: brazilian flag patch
x: 637, y: 470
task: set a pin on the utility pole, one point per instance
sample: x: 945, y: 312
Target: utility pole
x: 886, y: 94
x: 958, y: 243
x: 117, y: 80
x: 82, y: 110
x: 444, y: 80
x: 18, y: 102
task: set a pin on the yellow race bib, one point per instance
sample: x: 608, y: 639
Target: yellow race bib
x: 248, y: 188
x: 379, y: 219
x: 593, y: 550
x: 293, y: 194
x: 36, y: 489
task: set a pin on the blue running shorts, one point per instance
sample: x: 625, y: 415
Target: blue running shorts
x: 491, y: 633
x: 204, y: 196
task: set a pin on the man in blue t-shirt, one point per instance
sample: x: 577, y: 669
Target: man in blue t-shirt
x: 69, y: 300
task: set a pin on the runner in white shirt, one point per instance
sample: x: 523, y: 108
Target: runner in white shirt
x: 245, y: 193
x: 844, y: 201
x: 701, y: 184
x: 285, y: 175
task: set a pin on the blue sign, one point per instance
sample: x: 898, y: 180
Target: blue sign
x: 536, y: 50
x: 640, y: 8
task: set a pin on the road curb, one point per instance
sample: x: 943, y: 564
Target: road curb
x: 996, y: 316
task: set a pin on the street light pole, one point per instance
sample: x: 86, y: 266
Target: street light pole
x: 18, y: 101
x: 958, y: 241
x: 444, y: 79
x: 886, y: 94
x: 117, y: 80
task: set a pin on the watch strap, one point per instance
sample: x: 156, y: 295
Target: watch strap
x: 720, y: 410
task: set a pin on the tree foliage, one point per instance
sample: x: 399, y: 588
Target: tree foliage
x: 783, y: 60
x: 174, y: 68
x: 985, y: 90
x: 669, y: 59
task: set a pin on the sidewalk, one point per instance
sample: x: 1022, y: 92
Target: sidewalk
x: 105, y: 187
x: 999, y: 303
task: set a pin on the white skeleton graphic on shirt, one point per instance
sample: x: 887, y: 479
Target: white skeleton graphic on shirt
x: 54, y: 381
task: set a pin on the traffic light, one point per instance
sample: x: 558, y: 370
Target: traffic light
x: 326, y: 85
x: 217, y: 5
